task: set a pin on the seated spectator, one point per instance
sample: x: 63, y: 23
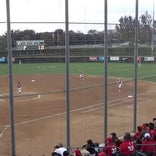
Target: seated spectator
x: 110, y: 147
x: 90, y: 146
x: 145, y: 127
x: 59, y: 150
x: 154, y: 140
x: 55, y: 154
x: 116, y: 140
x: 77, y: 152
x: 102, y: 154
x: 137, y: 134
x: 147, y: 145
x: 101, y: 146
x: 127, y: 147
x: 84, y: 152
x: 152, y: 131
x: 138, y: 137
x: 96, y: 146
x: 154, y: 122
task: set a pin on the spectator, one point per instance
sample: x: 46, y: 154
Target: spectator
x: 101, y: 146
x: 77, y: 152
x: 137, y: 134
x: 84, y: 152
x: 145, y: 127
x: 55, y: 154
x: 127, y: 147
x: 116, y: 140
x: 154, y: 122
x: 138, y: 137
x: 152, y: 131
x: 59, y: 150
x: 96, y: 146
x: 147, y: 145
x: 90, y: 146
x: 154, y: 140
x: 110, y: 147
x: 102, y: 154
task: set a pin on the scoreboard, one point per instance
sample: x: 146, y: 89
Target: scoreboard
x: 30, y: 45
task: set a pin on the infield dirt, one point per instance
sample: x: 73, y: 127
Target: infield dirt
x: 40, y: 113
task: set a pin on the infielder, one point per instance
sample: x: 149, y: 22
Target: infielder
x: 19, y: 88
x: 81, y: 75
x: 119, y: 84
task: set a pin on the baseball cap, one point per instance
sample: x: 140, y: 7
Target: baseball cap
x: 147, y: 135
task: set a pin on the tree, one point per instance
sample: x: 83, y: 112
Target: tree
x: 145, y: 28
x: 126, y: 29
x: 59, y: 37
x: 3, y: 43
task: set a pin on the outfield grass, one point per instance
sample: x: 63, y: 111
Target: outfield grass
x: 125, y: 70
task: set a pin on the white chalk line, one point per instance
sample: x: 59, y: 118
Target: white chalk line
x: 114, y: 103
x: 24, y: 93
x: 29, y: 99
x: 3, y: 131
x: 87, y: 108
x: 122, y: 101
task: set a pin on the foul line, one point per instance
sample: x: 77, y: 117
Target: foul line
x: 113, y: 103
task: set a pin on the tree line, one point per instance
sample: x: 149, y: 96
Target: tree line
x: 123, y: 32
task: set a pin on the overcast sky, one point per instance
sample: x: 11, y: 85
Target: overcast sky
x: 83, y: 11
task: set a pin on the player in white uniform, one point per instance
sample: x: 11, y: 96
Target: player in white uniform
x: 81, y: 75
x: 119, y: 84
x: 19, y: 88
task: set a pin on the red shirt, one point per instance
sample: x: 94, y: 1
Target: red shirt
x: 77, y: 152
x: 146, y: 147
x: 152, y: 133
x: 127, y: 147
x: 102, y: 154
x: 137, y: 134
x: 110, y: 149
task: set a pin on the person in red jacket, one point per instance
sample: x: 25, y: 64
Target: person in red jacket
x: 137, y: 134
x: 148, y: 145
x: 110, y: 147
x: 127, y: 147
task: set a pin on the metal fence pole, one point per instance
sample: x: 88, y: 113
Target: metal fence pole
x: 9, y: 45
x: 135, y: 66
x: 67, y: 76
x: 105, y: 67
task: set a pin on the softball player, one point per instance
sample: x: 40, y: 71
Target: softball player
x: 19, y: 88
x: 81, y: 75
x: 119, y: 84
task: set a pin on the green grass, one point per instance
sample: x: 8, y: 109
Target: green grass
x: 125, y: 70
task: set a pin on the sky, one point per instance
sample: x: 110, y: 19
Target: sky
x: 80, y: 11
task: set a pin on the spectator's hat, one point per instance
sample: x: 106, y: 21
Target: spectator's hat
x: 147, y: 135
